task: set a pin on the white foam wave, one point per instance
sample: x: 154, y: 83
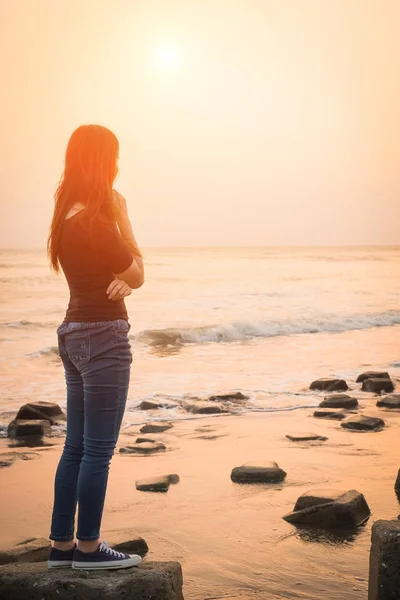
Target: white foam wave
x: 25, y: 324
x: 246, y: 330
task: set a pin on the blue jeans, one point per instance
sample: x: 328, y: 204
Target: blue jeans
x: 97, y: 360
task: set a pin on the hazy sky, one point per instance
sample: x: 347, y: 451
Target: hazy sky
x: 251, y: 122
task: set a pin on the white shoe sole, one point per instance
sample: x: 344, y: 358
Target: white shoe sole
x: 59, y: 564
x: 133, y: 561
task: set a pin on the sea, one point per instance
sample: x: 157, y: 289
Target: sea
x: 265, y: 321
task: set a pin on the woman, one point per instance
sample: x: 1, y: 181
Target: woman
x: 91, y: 239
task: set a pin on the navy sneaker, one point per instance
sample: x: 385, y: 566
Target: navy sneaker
x: 60, y: 559
x: 104, y: 558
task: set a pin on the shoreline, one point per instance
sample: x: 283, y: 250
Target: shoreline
x: 231, y: 539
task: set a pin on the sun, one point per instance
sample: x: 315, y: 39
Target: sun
x: 169, y: 57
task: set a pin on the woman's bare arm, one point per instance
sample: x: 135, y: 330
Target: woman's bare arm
x: 134, y: 276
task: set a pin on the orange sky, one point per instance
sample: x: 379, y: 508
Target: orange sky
x: 277, y: 121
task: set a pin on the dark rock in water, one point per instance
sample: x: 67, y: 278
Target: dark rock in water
x: 263, y: 472
x: 305, y: 437
x: 27, y: 413
x: 144, y: 440
x: 327, y: 413
x: 153, y: 484
x: 339, y: 401
x: 361, y: 423
x: 136, y: 545
x: 228, y: 397
x: 18, y: 429
x: 147, y: 405
x: 329, y: 385
x: 378, y: 385
x: 372, y: 375
x: 155, y: 427
x: 397, y: 484
x: 158, y: 581
x: 392, y: 401
x: 33, y: 550
x: 50, y: 409
x: 204, y: 408
x: 384, y: 572
x: 349, y: 509
x: 144, y: 448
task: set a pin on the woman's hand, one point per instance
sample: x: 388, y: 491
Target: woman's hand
x: 118, y: 289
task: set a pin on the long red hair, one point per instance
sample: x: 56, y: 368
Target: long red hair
x: 89, y: 173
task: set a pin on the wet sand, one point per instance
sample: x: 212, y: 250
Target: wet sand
x: 231, y: 539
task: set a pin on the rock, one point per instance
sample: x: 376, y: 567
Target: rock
x: 384, y: 572
x: 159, y: 581
x: 173, y: 478
x: 155, y: 427
x: 340, y: 511
x: 305, y: 437
x: 397, y: 484
x: 18, y: 429
x: 329, y: 385
x: 33, y: 550
x: 378, y: 385
x: 339, y: 401
x: 228, y: 397
x: 327, y: 413
x: 143, y: 448
x: 204, y: 408
x: 392, y: 401
x: 147, y: 405
x: 8, y: 458
x: 263, y: 472
x: 317, y: 497
x: 144, y: 440
x: 372, y: 375
x: 27, y: 413
x: 50, y: 409
x: 136, y: 545
x: 153, y: 484
x: 361, y: 423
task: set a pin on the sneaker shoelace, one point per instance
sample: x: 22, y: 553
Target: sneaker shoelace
x: 104, y: 547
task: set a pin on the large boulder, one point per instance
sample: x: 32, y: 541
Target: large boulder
x: 306, y: 437
x: 29, y: 413
x: 384, y: 572
x: 392, y: 401
x: 372, y: 374
x: 339, y: 401
x: 329, y: 413
x: 260, y: 472
x: 377, y: 385
x: 330, y: 510
x: 33, y: 550
x: 161, y: 581
x: 205, y: 408
x: 156, y: 427
x: 361, y: 423
x: 39, y: 428
x: 329, y: 385
x: 143, y: 448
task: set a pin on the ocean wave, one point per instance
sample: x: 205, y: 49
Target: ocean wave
x: 247, y: 330
x: 51, y: 351
x: 25, y: 324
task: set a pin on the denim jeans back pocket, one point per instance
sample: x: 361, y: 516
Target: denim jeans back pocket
x: 77, y: 345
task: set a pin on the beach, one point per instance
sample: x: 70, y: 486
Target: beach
x: 231, y: 539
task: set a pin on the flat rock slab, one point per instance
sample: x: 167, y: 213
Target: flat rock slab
x: 158, y: 581
x: 372, y: 375
x: 339, y: 401
x: 305, y: 437
x: 392, y: 401
x: 317, y: 497
x: 24, y: 428
x: 153, y: 484
x: 378, y: 385
x: 144, y: 448
x: 156, y: 427
x: 329, y: 385
x: 263, y: 472
x: 328, y: 413
x: 384, y: 572
x: 229, y: 397
x: 205, y: 408
x: 341, y: 512
x: 144, y: 440
x: 361, y: 423
x: 33, y: 550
